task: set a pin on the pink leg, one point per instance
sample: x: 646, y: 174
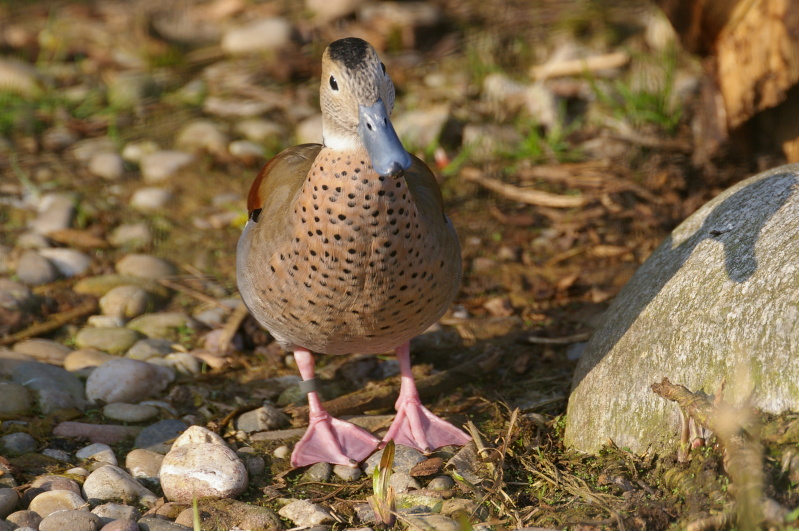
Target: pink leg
x: 414, y: 425
x: 328, y: 439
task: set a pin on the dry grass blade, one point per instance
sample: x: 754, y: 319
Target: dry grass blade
x: 531, y: 197
x: 383, y: 502
x: 577, y: 67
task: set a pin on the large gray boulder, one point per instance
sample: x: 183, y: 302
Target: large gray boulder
x: 717, y: 301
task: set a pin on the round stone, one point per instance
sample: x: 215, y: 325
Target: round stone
x: 257, y: 36
x: 145, y: 266
x: 150, y: 198
x: 44, y: 350
x: 51, y: 501
x: 113, y: 483
x: 161, y: 165
x: 125, y: 302
x: 8, y: 501
x: 34, y: 269
x: 74, y: 520
x: 68, y: 262
x: 114, y: 340
x: 97, y: 452
x: 144, y: 464
x: 126, y: 380
x: 129, y: 412
x: 86, y: 357
x: 109, y: 166
x: 16, y: 400
x: 18, y: 443
x: 202, y: 470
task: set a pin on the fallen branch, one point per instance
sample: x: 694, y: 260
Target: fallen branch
x: 531, y: 197
x: 55, y: 322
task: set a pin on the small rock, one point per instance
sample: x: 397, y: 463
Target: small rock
x: 135, y: 151
x: 126, y: 380
x: 32, y: 240
x: 74, y: 520
x: 8, y: 501
x: 16, y: 400
x: 59, y: 455
x: 10, y: 360
x: 326, y: 11
x: 85, y: 358
x: 130, y: 88
x: 202, y: 135
x: 126, y: 302
x: 231, y: 514
x: 24, y: 519
x: 131, y: 236
x: 159, y: 437
x: 56, y: 212
x: 147, y: 348
x: 121, y: 525
x: 347, y: 473
x: 201, y: 470
x: 68, y: 262
x: 432, y: 522
x: 47, y: 483
x: 58, y: 138
x: 260, y: 131
x: 264, y: 418
x: 103, y: 433
x: 150, y: 199
x: 129, y: 412
x: 109, y: 166
x: 44, y: 350
x: 403, y: 482
x: 109, y: 512
x: 181, y: 362
x: 257, y: 36
x: 441, y: 483
x: 15, y: 296
x: 405, y: 458
x: 145, y: 266
x: 199, y: 435
x: 53, y: 387
x: 113, y: 483
x: 282, y: 452
x: 246, y: 151
x: 305, y: 514
x: 165, y: 325
x: 318, y: 473
x: 144, y: 464
x: 98, y: 452
x: 51, y: 501
x: 84, y: 150
x: 256, y: 466
x: 114, y: 340
x: 34, y: 269
x: 160, y: 166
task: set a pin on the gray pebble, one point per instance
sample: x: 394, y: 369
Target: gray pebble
x: 68, y: 262
x: 126, y: 302
x: 255, y: 465
x: 98, y: 452
x: 105, y: 433
x: 432, y: 522
x: 144, y: 464
x: 165, y: 325
x: 8, y: 501
x: 34, y: 269
x: 121, y: 525
x: 109, y: 512
x: 113, y: 483
x: 150, y: 198
x: 441, y: 483
x: 153, y: 523
x: 24, y: 519
x: 15, y: 296
x: 44, y: 350
x: 126, y: 380
x: 347, y: 473
x: 59, y: 455
x: 56, y: 212
x: 160, y: 166
x: 74, y: 520
x: 318, y: 472
x: 405, y: 458
x: 10, y: 360
x: 18, y: 443
x: 109, y: 166
x: 264, y: 418
x: 129, y: 412
x: 145, y: 266
x: 113, y: 340
x: 403, y: 482
x: 16, y: 400
x: 54, y: 387
x: 147, y: 348
x: 51, y: 501
x: 159, y: 436
x: 131, y: 236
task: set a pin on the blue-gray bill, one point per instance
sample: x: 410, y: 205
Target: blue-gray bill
x: 389, y: 157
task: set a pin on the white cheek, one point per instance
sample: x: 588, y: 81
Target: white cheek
x: 340, y: 142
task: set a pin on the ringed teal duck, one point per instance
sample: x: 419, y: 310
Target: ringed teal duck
x: 347, y: 249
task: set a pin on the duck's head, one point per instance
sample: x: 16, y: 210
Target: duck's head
x: 357, y: 97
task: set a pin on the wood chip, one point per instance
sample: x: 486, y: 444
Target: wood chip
x: 427, y: 468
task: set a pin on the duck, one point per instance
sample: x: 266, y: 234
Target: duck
x: 347, y: 249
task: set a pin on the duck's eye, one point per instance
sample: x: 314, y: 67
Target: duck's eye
x: 333, y: 83
x: 383, y: 67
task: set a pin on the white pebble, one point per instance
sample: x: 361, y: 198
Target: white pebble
x: 69, y: 262
x: 109, y: 166
x: 257, y: 36
x: 126, y: 380
x: 150, y: 198
x: 160, y: 166
x: 97, y: 452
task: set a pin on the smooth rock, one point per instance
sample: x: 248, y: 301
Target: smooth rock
x: 160, y: 166
x: 201, y: 470
x: 264, y: 418
x: 159, y: 437
x: 347, y: 473
x: 152, y: 523
x: 32, y: 240
x: 114, y: 340
x: 59, y: 455
x: 260, y: 131
x: 109, y: 512
x: 126, y: 302
x: 318, y: 473
x: 129, y: 412
x: 326, y: 11
x: 145, y: 266
x: 24, y: 519
x: 202, y: 135
x: 135, y: 151
x: 257, y: 36
x: 403, y: 482
x: 121, y: 525
x: 147, y: 348
x: 18, y: 443
x: 51, y: 501
x: 34, y: 269
x: 405, y: 458
x: 144, y: 464
x: 102, y: 284
x: 150, y: 198
x: 113, y: 483
x: 102, y: 433
x: 98, y: 452
x: 75, y: 520
x: 165, y: 325
x: 56, y: 212
x: 68, y: 262
x: 246, y: 151
x: 47, y: 483
x: 180, y: 362
x: 432, y: 522
x: 86, y: 357
x: 15, y: 296
x: 9, y: 499
x: 10, y: 360
x: 126, y: 380
x: 199, y: 435
x: 109, y: 166
x: 716, y: 302
x: 44, y: 350
x: 16, y: 402
x: 256, y: 465
x: 84, y: 150
x: 131, y: 236
x: 53, y: 387
x: 441, y: 483
x: 231, y: 514
x: 306, y: 514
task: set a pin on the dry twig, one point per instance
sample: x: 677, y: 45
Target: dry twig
x: 55, y: 322
x: 514, y: 193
